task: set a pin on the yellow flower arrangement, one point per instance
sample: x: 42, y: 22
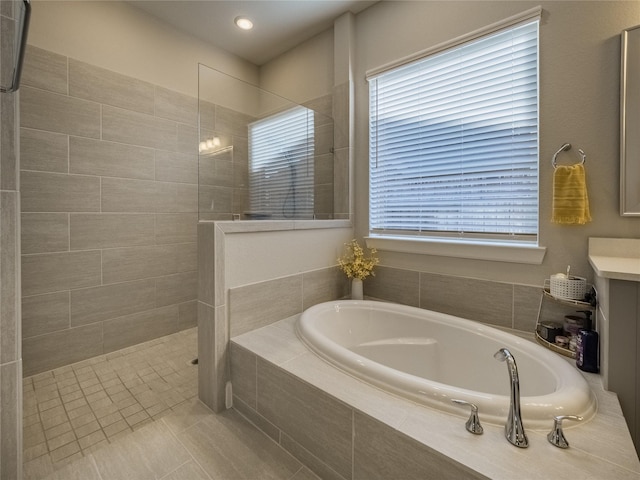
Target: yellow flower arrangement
x: 354, y: 263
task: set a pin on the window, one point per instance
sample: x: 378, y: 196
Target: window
x: 281, y: 160
x: 454, y: 141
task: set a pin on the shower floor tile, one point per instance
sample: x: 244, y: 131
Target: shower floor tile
x: 72, y: 411
x: 141, y: 420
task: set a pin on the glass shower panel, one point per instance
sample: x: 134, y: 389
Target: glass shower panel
x: 262, y: 156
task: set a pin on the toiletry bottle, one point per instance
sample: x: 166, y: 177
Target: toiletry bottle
x: 587, y: 354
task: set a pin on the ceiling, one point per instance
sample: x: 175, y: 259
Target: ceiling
x: 279, y: 25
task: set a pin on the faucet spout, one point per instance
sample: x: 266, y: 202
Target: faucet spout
x: 513, y: 429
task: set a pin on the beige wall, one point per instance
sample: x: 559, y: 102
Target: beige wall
x: 579, y: 104
x: 116, y: 36
x: 304, y: 72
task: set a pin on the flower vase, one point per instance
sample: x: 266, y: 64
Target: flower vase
x: 356, y: 289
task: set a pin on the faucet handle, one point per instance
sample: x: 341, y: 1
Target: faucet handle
x: 473, y: 424
x: 556, y: 436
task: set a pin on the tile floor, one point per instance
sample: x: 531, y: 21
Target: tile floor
x: 134, y: 414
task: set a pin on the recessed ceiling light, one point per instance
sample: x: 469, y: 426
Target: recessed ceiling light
x: 244, y: 23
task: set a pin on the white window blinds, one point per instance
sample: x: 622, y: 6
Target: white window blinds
x: 454, y: 140
x: 281, y: 160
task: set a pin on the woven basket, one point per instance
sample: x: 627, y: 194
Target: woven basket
x: 572, y: 288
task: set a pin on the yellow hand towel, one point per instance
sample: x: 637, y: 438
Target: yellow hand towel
x: 570, y: 200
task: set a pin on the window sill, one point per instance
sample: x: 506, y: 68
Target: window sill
x: 473, y: 249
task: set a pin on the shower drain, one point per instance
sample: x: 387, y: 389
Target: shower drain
x: 193, y: 362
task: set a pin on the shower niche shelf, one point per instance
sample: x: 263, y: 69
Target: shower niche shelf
x: 589, y: 303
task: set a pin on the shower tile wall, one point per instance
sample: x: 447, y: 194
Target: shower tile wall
x: 500, y: 304
x: 224, y: 176
x: 109, y: 192
x: 10, y: 348
x: 323, y: 188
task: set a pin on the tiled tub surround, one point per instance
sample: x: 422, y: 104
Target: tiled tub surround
x: 500, y: 304
x: 109, y: 177
x: 342, y: 428
x: 224, y: 312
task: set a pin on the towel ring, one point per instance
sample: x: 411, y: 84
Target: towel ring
x: 565, y: 147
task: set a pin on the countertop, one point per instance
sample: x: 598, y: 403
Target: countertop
x: 615, y: 258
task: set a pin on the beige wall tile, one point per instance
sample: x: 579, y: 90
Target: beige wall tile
x: 6, y: 8
x: 260, y: 304
x: 176, y: 167
x: 134, y: 128
x: 45, y: 151
x: 323, y: 106
x: 9, y: 145
x: 240, y: 173
x: 176, y: 197
x: 319, y: 423
x: 243, y: 374
x: 207, y: 385
x: 45, y: 232
x: 207, y: 111
x: 215, y: 199
x: 90, y: 305
x: 298, y: 451
x: 176, y: 227
x: 123, y: 264
x: 106, y: 230
x: 206, y: 263
x: 178, y: 288
x: 394, y: 285
x: 7, y: 36
x: 54, y: 192
x: 52, y: 272
x: 526, y: 303
x: 129, y: 330
x: 323, y: 201
x: 187, y: 139
x: 58, y: 113
x: 124, y: 195
x: 341, y: 199
x: 96, y: 157
x: 323, y: 286
x: 341, y: 115
x: 104, y: 86
x: 176, y: 106
x: 10, y: 405
x: 232, y: 122
x: 380, y: 452
x: 323, y: 169
x: 42, y: 314
x: 44, y: 69
x: 216, y: 169
x: 47, y: 352
x: 10, y: 346
x: 187, y: 315
x: 323, y: 141
x: 479, y: 300
x: 9, y: 277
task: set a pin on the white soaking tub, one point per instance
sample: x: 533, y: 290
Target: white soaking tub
x: 432, y: 358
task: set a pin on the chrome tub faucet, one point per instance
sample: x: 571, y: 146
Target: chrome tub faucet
x: 513, y: 429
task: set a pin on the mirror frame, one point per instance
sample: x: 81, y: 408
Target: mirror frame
x: 630, y: 122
